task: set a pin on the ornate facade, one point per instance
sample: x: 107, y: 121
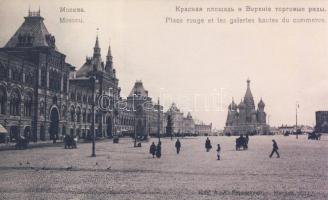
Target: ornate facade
x: 33, y: 82
x: 42, y: 96
x: 148, y: 115
x: 245, y: 118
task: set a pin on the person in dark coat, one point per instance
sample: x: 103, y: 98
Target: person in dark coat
x: 274, y: 149
x: 152, y: 149
x: 159, y: 150
x: 178, y: 146
x: 218, y: 151
x: 208, y: 145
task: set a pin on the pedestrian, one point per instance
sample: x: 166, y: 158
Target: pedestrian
x: 7, y: 140
x: 274, y: 149
x: 218, y: 150
x: 158, y: 150
x: 208, y: 145
x: 178, y: 146
x: 152, y: 149
x: 54, y: 139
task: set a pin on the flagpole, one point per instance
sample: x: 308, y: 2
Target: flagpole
x: 297, y: 105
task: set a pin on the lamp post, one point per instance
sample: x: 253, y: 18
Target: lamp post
x: 297, y: 106
x: 93, y: 83
x: 158, y: 121
x: 135, y: 121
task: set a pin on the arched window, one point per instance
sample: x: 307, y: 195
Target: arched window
x: 15, y: 101
x: 72, y: 112
x: 42, y: 107
x: 84, y: 116
x: 3, y: 100
x: 16, y: 75
x: 78, y: 114
x: 29, y: 78
x: 89, y: 118
x: 98, y: 117
x: 72, y: 96
x: 79, y: 97
x: 65, y: 81
x: 3, y: 72
x: 64, y: 110
x: 43, y: 77
x: 28, y: 105
x: 90, y: 100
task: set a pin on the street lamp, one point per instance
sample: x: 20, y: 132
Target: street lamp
x: 135, y: 127
x: 158, y: 121
x: 297, y: 106
x: 93, y: 83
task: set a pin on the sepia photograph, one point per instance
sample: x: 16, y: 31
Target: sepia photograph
x: 163, y: 100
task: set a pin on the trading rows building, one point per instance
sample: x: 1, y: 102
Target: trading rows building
x: 42, y: 96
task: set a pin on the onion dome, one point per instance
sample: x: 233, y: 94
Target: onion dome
x: 233, y: 105
x: 261, y: 104
x: 241, y: 105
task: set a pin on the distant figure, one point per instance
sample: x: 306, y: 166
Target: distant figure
x: 152, y: 149
x: 178, y: 146
x: 7, y: 139
x: 274, y: 149
x: 208, y: 145
x: 158, y: 150
x: 247, y: 139
x: 218, y: 150
x: 54, y: 139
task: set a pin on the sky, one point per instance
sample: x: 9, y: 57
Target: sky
x: 200, y: 67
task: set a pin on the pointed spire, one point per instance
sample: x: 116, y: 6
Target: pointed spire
x: 97, y: 42
x: 248, y: 83
x: 96, y: 49
x: 109, y: 57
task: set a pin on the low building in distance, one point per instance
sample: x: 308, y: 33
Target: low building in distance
x: 185, y: 126
x: 321, y: 121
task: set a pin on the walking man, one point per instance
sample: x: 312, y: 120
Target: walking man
x: 208, y: 145
x: 152, y: 149
x: 274, y: 149
x: 178, y: 146
x: 218, y: 151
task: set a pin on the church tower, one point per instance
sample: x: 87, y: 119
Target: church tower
x: 109, y: 61
x: 245, y: 118
x: 249, y: 103
x: 97, y: 56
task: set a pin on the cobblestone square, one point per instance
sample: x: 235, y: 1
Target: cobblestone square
x: 122, y: 172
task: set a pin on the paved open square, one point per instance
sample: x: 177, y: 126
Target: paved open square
x: 122, y: 172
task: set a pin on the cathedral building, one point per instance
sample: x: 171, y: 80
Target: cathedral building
x: 244, y: 118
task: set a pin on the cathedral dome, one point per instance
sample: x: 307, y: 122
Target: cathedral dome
x: 241, y: 105
x: 261, y: 104
x: 233, y: 105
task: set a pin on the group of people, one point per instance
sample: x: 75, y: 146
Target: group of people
x: 208, y: 147
x: 156, y: 150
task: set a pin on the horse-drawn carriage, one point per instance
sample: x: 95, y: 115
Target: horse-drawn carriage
x: 314, y: 136
x: 70, y: 142
x: 242, y: 143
